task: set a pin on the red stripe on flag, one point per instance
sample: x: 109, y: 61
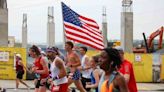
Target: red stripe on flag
x: 88, y: 19
x: 86, y: 43
x: 83, y: 37
x: 89, y: 33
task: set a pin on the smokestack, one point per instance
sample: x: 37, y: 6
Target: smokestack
x: 24, y: 31
x: 104, y: 27
x: 127, y: 26
x: 50, y: 27
x: 3, y: 23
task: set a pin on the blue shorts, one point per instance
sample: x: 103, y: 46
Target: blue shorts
x: 76, y: 75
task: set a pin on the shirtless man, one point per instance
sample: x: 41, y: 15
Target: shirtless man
x: 73, y: 62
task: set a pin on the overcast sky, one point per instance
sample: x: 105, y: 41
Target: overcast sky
x: 148, y: 17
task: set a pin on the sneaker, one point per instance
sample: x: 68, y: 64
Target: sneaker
x: 15, y: 89
x: 3, y: 90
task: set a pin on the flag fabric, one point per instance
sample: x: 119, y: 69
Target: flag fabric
x: 81, y: 29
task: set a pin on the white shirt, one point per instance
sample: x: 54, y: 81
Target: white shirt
x: 55, y: 72
x: 85, y: 73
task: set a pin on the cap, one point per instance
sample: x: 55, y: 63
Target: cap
x: 18, y: 55
x: 42, y: 52
x: 40, y: 49
x: 51, y: 49
x: 119, y: 48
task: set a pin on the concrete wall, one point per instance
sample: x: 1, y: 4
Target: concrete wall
x: 3, y: 27
x: 127, y: 31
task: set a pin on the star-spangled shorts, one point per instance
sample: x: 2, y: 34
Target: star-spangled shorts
x: 76, y: 75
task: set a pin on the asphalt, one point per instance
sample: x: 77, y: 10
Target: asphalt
x: 142, y: 87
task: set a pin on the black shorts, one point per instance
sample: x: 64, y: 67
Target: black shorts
x: 84, y: 81
x: 38, y: 84
x: 20, y: 74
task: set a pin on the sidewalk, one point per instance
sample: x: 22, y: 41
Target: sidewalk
x: 155, y: 87
x: 142, y: 87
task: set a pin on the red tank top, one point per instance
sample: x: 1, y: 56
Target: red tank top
x: 18, y: 67
x: 40, y: 67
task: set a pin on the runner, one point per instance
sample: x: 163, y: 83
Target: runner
x: 127, y: 71
x: 110, y: 61
x: 73, y: 62
x: 40, y: 68
x: 95, y: 74
x: 85, y: 64
x: 58, y: 72
x: 20, y: 71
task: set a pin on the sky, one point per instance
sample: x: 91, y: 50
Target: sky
x: 148, y: 16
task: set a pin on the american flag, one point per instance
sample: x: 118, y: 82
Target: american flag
x: 81, y: 29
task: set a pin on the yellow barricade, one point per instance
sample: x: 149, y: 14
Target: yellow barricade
x: 142, y: 65
x: 91, y: 53
x: 162, y: 68
x: 7, y: 70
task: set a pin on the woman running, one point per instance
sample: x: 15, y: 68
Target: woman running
x: 40, y: 68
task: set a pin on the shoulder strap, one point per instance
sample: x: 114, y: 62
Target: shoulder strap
x: 39, y: 59
x: 111, y: 78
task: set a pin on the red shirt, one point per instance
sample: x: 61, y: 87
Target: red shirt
x: 18, y: 66
x: 127, y: 68
x: 40, y: 67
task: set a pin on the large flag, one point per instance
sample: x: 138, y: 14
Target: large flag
x: 81, y: 29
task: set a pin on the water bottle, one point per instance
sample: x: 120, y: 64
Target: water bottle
x: 37, y: 75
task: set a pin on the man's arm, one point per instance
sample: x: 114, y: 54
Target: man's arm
x: 77, y: 59
x: 62, y: 70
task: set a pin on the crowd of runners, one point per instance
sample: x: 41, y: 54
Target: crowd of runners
x: 107, y: 71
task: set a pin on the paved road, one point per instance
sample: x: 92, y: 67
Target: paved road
x: 142, y: 87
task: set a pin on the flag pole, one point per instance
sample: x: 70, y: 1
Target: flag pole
x: 64, y: 36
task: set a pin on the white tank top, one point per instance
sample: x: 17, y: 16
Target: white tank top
x: 55, y: 71
x: 86, y: 73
